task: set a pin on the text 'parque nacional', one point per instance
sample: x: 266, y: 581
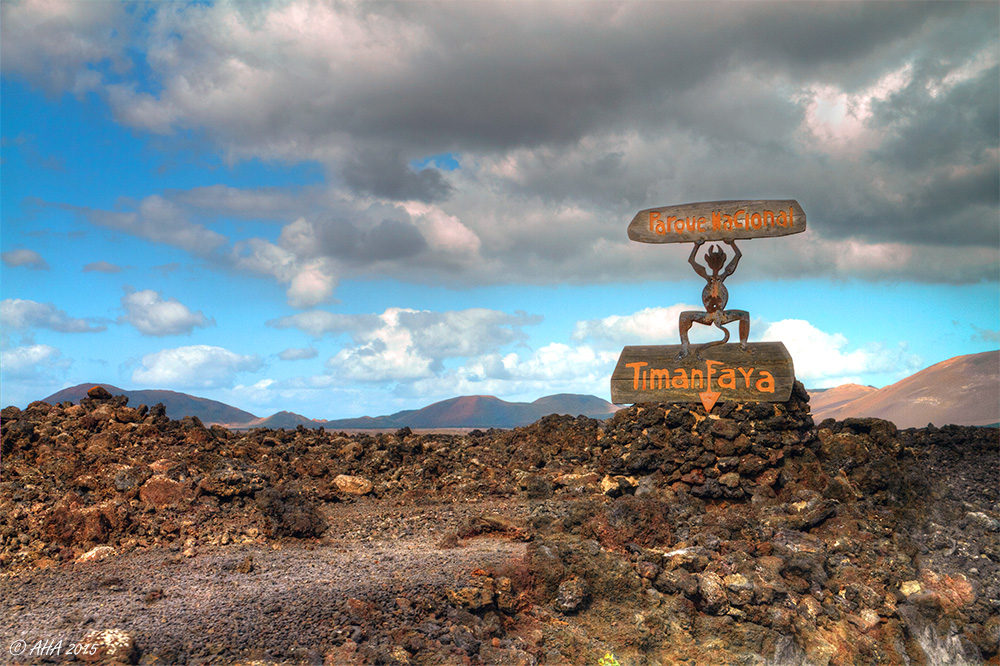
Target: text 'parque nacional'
x: 717, y: 220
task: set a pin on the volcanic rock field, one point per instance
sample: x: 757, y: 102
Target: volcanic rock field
x: 663, y: 535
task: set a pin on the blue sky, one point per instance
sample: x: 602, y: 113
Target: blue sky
x: 356, y: 209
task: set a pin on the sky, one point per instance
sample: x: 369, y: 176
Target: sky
x: 346, y: 209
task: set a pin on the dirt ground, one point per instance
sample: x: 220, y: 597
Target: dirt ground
x: 660, y: 536
x: 267, y: 599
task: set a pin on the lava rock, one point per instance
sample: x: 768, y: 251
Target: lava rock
x: 572, y: 596
x: 353, y: 485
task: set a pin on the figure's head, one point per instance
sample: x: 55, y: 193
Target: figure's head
x: 715, y: 258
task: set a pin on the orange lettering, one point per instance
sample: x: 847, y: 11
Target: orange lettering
x: 662, y: 375
x: 736, y: 217
x: 708, y: 364
x: 755, y: 221
x: 791, y: 217
x: 701, y: 378
x: 727, y: 222
x: 635, y: 369
x: 680, y: 379
x: 769, y: 218
x: 691, y: 223
x: 728, y: 378
x: 766, y: 382
x: 716, y: 220
x: 655, y: 223
x: 701, y: 223
x: 746, y: 375
x: 782, y: 220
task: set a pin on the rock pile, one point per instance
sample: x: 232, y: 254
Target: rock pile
x: 664, y: 534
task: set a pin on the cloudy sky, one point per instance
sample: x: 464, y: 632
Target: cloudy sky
x: 341, y: 209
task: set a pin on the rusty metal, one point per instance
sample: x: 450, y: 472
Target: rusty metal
x: 715, y: 297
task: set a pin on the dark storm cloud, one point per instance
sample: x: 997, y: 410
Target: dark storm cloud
x: 497, y: 79
x: 387, y: 175
x: 387, y: 241
x: 804, y: 36
x: 565, y: 118
x: 956, y: 126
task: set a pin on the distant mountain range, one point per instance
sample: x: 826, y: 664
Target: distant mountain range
x: 964, y: 390
x: 471, y: 411
x: 477, y: 411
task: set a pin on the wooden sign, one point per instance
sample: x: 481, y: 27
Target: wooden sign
x: 717, y: 220
x: 653, y: 373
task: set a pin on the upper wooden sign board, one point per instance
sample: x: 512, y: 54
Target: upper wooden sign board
x: 717, y: 221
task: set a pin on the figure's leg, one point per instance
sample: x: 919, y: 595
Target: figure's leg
x: 744, y: 318
x: 684, y: 323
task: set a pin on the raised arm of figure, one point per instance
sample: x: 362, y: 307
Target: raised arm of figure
x: 731, y: 268
x: 698, y: 268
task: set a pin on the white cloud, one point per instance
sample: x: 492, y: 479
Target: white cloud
x: 312, y: 284
x: 310, y: 281
x: 23, y: 257
x: 442, y: 230
x: 403, y: 344
x: 387, y: 354
x: 824, y: 359
x: 24, y: 361
x: 22, y: 315
x: 553, y: 368
x: 318, y: 323
x: 293, y: 354
x: 152, y: 315
x: 390, y: 350
x: 648, y: 326
x: 195, y: 366
x: 157, y: 219
x: 837, y: 120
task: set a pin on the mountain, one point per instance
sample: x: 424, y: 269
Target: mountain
x: 286, y: 420
x: 178, y: 405
x: 477, y: 411
x: 573, y: 403
x: 473, y: 411
x: 825, y: 400
x: 964, y: 390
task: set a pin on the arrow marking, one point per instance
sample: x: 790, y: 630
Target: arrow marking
x: 709, y: 398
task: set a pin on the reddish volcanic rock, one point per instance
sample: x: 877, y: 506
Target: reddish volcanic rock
x: 748, y: 535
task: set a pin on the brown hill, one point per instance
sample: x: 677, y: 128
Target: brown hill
x: 822, y: 401
x: 964, y: 390
x: 177, y: 405
x: 287, y: 420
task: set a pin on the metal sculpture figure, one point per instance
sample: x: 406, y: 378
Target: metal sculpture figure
x: 715, y: 296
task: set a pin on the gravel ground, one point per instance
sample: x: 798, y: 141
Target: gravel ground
x: 275, y: 601
x: 662, y: 535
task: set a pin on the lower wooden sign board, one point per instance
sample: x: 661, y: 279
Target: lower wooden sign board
x: 653, y: 373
